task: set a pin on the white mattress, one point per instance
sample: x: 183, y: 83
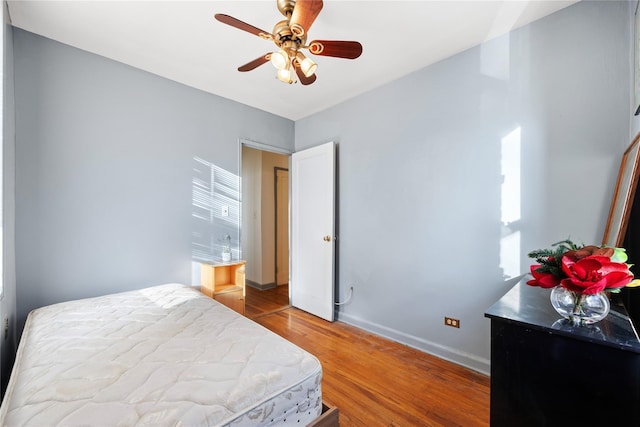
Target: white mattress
x: 161, y: 356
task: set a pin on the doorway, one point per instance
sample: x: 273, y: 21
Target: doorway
x: 265, y: 229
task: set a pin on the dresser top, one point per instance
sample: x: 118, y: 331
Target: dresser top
x: 530, y: 307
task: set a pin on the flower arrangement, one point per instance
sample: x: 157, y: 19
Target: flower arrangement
x: 585, y: 270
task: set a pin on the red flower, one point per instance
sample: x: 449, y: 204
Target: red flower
x: 594, y: 273
x: 544, y: 280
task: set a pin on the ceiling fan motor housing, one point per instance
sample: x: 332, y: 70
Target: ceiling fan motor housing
x: 286, y: 7
x: 284, y: 37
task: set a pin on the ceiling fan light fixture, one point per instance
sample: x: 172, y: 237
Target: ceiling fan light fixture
x: 308, y: 67
x: 280, y: 59
x: 284, y: 75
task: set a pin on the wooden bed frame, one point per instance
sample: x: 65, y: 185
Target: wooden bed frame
x: 328, y: 418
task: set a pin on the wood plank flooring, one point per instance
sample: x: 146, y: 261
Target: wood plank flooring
x: 259, y: 302
x: 377, y: 382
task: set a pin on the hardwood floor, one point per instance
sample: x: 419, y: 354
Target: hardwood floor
x: 259, y: 302
x: 377, y: 382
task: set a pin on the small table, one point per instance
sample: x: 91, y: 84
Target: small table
x: 224, y: 282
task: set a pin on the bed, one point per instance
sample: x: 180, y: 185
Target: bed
x: 160, y: 356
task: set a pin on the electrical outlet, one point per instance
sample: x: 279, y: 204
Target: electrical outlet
x: 450, y: 321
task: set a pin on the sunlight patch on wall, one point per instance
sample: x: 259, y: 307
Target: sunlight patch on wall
x: 494, y: 58
x: 510, y: 204
x: 507, y: 17
x: 215, y: 212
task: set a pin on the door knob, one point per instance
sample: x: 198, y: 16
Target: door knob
x: 327, y: 238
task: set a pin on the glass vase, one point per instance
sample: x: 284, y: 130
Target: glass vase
x: 579, y: 308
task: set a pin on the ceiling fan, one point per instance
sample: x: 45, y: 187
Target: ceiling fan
x: 290, y: 36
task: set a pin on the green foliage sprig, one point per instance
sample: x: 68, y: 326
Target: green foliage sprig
x: 550, y: 260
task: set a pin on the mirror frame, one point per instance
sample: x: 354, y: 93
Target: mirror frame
x: 623, y: 196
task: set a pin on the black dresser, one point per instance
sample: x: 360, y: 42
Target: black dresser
x: 547, y: 372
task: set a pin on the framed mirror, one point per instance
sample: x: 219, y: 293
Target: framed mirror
x: 623, y: 196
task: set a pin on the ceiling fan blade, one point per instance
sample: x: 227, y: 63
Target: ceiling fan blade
x: 303, y: 79
x: 336, y: 48
x: 303, y: 15
x: 255, y: 63
x: 230, y: 20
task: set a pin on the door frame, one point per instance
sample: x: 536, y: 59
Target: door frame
x: 277, y: 169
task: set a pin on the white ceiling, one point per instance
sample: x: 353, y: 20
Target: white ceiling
x: 180, y: 40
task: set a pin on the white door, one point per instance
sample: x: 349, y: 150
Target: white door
x: 312, y: 230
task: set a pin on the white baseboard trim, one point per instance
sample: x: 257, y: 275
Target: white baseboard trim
x: 467, y: 360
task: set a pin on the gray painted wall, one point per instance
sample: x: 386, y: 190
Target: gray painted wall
x: 427, y: 228
x: 106, y: 165
x: 8, y: 302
